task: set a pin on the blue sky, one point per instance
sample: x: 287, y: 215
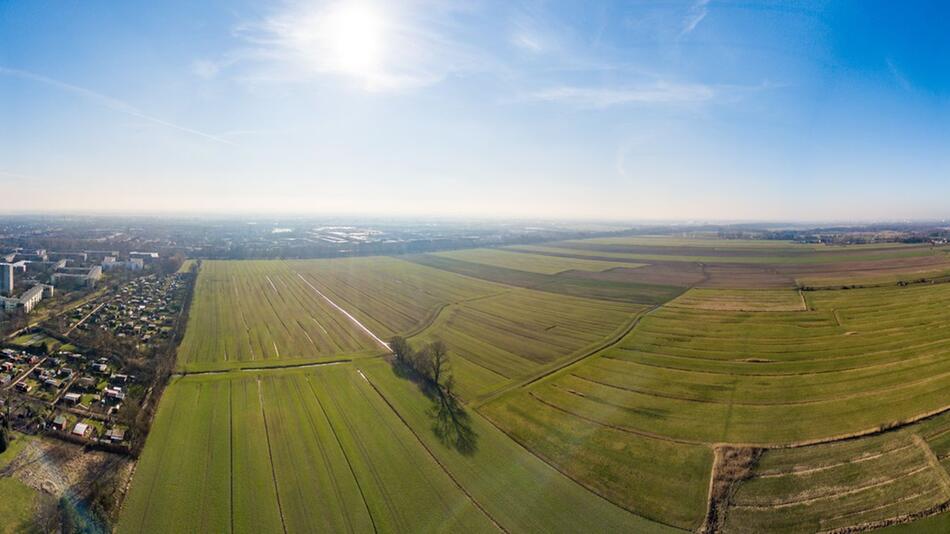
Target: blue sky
x: 644, y: 110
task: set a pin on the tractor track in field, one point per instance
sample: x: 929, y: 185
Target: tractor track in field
x: 354, y: 320
x: 231, y: 448
x: 800, y: 471
x: 154, y: 480
x: 864, y: 527
x: 323, y: 452
x: 458, y: 484
x: 270, y: 456
x: 853, y: 490
x: 934, y: 462
x: 346, y: 456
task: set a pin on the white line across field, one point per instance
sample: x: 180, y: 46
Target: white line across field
x: 346, y: 313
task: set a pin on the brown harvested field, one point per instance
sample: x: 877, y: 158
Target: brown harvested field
x: 752, y: 300
x: 673, y: 273
x: 776, y: 276
x: 723, y: 249
x: 738, y: 276
x: 870, y: 272
x: 693, y: 274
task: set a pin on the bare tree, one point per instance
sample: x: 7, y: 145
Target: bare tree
x: 438, y: 357
x: 401, y: 349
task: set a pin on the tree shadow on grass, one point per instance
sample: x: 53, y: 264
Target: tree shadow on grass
x: 451, y: 422
x: 453, y: 425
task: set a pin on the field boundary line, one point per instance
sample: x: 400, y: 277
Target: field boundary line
x: 346, y: 313
x: 432, y: 455
x: 262, y: 368
x: 270, y: 455
x: 624, y: 429
x: 566, y: 475
x: 616, y: 337
x: 707, y: 526
x: 849, y: 396
x: 434, y: 314
x: 154, y: 481
x: 231, y: 445
x: 876, y: 431
x: 934, y: 463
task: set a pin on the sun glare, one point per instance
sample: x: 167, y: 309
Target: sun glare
x: 354, y: 34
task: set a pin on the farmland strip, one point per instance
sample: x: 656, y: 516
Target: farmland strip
x: 270, y: 455
x: 344, y: 312
x: 346, y: 456
x: 431, y: 455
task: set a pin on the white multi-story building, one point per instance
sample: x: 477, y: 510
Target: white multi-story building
x: 31, y: 297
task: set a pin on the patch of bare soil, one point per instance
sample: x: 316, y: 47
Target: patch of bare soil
x: 731, y: 466
x: 64, y: 469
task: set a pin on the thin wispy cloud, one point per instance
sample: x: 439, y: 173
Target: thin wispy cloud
x: 697, y: 12
x: 106, y: 101
x: 603, y: 97
x: 898, y: 75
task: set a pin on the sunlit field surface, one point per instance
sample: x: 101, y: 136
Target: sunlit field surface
x: 593, y: 389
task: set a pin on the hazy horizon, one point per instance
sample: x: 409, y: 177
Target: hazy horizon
x: 622, y: 111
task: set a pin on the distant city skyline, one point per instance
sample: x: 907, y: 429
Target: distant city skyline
x: 700, y: 110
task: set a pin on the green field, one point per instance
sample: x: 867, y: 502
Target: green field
x: 247, y: 311
x: 17, y: 500
x: 847, y: 483
x: 591, y: 403
x: 299, y: 451
x: 258, y: 313
x: 324, y: 450
x: 858, y: 360
x: 688, y: 378
x: 505, y: 337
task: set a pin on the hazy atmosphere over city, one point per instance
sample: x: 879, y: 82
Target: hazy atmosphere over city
x: 633, y: 110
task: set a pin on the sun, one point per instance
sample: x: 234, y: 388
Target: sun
x: 354, y: 32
